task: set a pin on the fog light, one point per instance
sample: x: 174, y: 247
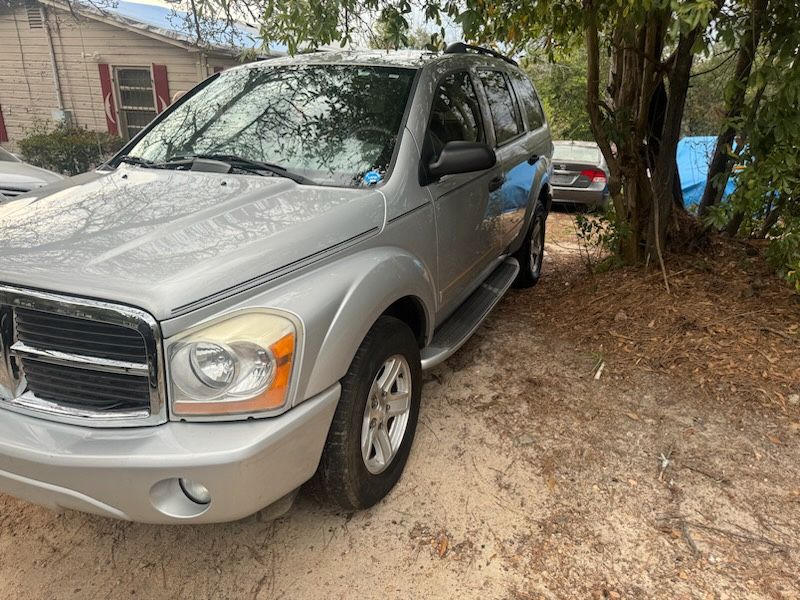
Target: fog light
x: 196, y: 492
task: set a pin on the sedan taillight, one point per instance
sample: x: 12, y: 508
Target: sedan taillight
x: 594, y: 175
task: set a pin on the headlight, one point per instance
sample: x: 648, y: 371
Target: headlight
x: 240, y: 365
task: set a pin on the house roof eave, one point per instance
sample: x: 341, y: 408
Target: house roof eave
x: 116, y: 20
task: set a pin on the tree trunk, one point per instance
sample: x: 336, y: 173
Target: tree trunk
x: 677, y: 190
x: 770, y: 221
x: 735, y: 223
x: 644, y: 121
x: 663, y: 175
x: 719, y: 170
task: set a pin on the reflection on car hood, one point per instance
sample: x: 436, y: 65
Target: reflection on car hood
x: 163, y: 239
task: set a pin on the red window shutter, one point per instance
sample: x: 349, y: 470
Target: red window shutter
x: 3, y: 130
x: 161, y: 85
x: 108, y: 98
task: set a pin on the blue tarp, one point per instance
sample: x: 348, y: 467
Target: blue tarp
x: 694, y: 155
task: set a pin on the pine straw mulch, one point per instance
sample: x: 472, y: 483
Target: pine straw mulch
x: 728, y: 324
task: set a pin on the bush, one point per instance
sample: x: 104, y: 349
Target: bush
x: 783, y: 254
x: 601, y: 233
x: 67, y: 149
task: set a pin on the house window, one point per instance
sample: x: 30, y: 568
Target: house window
x: 136, y: 101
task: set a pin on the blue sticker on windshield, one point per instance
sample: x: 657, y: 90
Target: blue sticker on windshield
x: 372, y: 177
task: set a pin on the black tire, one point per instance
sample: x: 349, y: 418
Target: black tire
x: 343, y: 477
x: 530, y: 268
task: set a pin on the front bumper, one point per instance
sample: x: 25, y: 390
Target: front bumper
x: 133, y: 474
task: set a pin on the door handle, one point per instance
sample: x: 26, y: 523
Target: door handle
x: 533, y: 159
x: 496, y: 183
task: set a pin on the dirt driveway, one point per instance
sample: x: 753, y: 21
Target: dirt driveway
x: 529, y: 478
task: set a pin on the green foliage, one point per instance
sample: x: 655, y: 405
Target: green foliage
x: 783, y: 253
x: 601, y: 234
x: 767, y: 198
x: 67, y: 149
x: 705, y: 104
x: 561, y: 83
x: 315, y: 23
x: 718, y: 216
x: 389, y: 34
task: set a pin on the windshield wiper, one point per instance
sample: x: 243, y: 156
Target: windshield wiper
x: 239, y: 162
x: 137, y: 160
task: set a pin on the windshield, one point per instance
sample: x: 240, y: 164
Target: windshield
x: 577, y: 153
x: 331, y: 124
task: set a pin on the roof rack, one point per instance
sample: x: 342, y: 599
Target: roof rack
x: 462, y: 48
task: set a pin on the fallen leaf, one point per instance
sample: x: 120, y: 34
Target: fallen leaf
x: 774, y: 439
x: 551, y: 482
x: 442, y: 547
x: 683, y: 575
x: 633, y: 416
x: 633, y: 482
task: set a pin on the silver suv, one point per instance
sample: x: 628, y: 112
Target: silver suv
x: 244, y: 298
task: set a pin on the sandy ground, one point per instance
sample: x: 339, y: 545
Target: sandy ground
x: 529, y: 478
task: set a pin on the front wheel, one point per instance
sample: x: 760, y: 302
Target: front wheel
x: 374, y: 425
x: 531, y: 253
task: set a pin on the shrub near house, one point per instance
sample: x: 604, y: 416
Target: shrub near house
x: 67, y: 149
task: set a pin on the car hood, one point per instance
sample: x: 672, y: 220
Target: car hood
x: 19, y: 175
x: 165, y: 240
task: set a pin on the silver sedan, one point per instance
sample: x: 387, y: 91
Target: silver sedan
x: 580, y: 174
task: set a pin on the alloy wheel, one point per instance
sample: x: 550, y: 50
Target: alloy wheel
x: 386, y: 414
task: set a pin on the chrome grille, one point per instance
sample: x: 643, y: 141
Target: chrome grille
x: 12, y: 192
x: 85, y: 389
x: 81, y: 361
x: 79, y: 336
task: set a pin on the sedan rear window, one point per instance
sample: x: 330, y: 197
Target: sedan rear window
x: 330, y: 123
x: 576, y: 153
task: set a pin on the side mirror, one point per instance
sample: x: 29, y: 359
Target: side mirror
x: 462, y: 157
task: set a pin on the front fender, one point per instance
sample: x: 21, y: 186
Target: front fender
x: 336, y: 303
x: 374, y: 280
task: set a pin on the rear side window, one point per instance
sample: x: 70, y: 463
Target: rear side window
x: 502, y: 105
x: 456, y: 114
x: 530, y: 101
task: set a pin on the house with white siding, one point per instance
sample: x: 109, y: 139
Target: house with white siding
x: 107, y: 69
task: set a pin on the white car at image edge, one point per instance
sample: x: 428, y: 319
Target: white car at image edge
x: 17, y: 177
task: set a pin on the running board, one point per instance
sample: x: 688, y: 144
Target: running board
x: 460, y: 326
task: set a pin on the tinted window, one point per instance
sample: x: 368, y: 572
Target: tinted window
x: 330, y: 123
x: 530, y: 102
x: 502, y: 105
x: 456, y: 114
